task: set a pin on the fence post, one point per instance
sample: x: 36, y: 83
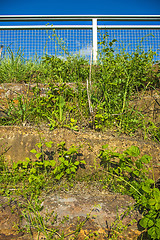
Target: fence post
x: 94, y: 27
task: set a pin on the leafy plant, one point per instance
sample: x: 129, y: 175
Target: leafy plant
x: 128, y: 173
x: 39, y: 170
x: 150, y: 203
x: 26, y: 108
x: 68, y: 162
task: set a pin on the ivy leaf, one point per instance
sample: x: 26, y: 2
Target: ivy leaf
x: 25, y: 164
x: 73, y: 169
x: 152, y: 201
x: 68, y: 171
x: 133, y: 151
x: 72, y: 150
x: 105, y: 146
x: 83, y: 162
x: 66, y: 163
x: 158, y: 223
x: 145, y: 158
x: 33, y: 171
x: 38, y: 155
x: 76, y: 163
x: 156, y: 193
x: 55, y: 170
x: 150, y: 181
x: 59, y: 176
x: 39, y: 145
x: 157, y: 206
x: 53, y: 163
x: 146, y: 189
x: 61, y: 159
x: 146, y: 222
x: 47, y: 163
x: 117, y: 171
x: 49, y: 144
x: 143, y: 222
x: 136, y: 173
x: 150, y: 223
x: 154, y: 232
x: 33, y: 151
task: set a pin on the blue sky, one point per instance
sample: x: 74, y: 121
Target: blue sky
x: 73, y: 7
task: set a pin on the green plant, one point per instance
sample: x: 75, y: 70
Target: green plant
x: 57, y: 114
x: 121, y: 75
x: 42, y: 169
x: 129, y: 174
x: 150, y: 203
x: 69, y: 69
x: 25, y: 108
x: 60, y: 106
x: 18, y: 109
x: 12, y: 67
x: 68, y: 162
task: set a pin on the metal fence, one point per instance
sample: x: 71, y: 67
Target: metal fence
x: 34, y: 41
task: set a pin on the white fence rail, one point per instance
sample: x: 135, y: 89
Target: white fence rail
x: 68, y: 37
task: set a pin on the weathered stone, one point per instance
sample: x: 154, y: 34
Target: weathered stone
x: 102, y: 207
x: 21, y: 140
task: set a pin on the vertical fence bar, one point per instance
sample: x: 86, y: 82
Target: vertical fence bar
x: 94, y: 25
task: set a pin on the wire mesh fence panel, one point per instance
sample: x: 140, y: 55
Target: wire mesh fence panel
x: 63, y: 40
x: 129, y: 40
x: 37, y: 43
